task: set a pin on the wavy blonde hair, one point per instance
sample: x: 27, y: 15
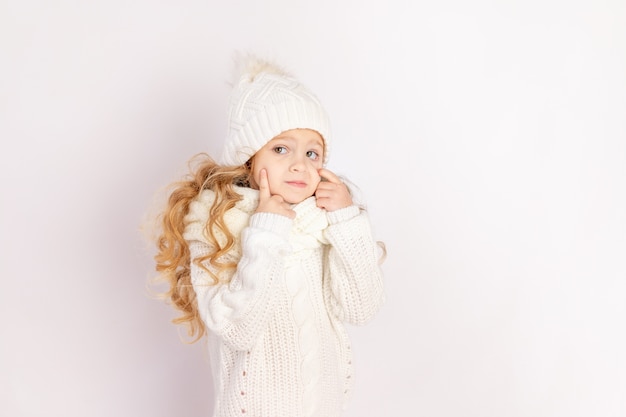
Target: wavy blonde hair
x: 173, y: 261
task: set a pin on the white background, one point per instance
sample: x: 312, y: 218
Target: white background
x: 488, y: 137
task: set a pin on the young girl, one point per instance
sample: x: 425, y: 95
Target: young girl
x: 267, y: 254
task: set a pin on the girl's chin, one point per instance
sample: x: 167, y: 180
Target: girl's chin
x: 291, y: 199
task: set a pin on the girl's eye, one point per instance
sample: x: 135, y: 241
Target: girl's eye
x: 280, y: 149
x: 312, y: 155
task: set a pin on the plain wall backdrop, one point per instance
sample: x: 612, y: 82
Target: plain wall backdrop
x: 488, y: 138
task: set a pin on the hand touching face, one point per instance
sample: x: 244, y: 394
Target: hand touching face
x: 269, y: 203
x: 288, y: 169
x: 332, y: 194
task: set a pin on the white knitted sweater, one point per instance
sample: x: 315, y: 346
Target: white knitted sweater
x: 277, y: 344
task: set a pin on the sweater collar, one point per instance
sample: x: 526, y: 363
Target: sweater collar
x: 310, y: 219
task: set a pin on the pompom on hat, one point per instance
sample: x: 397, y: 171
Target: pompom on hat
x: 266, y: 101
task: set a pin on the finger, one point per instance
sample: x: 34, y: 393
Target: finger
x: 264, y: 185
x: 329, y: 175
x: 327, y: 186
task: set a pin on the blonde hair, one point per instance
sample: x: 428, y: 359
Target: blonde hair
x: 173, y: 261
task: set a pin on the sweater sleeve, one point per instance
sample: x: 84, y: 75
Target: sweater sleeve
x: 237, y: 311
x: 353, y: 270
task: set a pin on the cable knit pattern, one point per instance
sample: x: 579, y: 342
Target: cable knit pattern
x: 277, y: 344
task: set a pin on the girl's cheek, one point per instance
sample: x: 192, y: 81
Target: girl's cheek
x: 318, y: 180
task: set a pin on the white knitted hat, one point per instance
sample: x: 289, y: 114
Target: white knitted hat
x: 265, y: 102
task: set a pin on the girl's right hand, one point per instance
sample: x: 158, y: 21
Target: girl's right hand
x: 269, y: 203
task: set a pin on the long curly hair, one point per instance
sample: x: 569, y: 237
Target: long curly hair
x: 173, y: 263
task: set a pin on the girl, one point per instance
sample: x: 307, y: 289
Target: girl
x: 267, y: 254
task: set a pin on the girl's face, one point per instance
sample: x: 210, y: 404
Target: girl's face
x: 292, y: 160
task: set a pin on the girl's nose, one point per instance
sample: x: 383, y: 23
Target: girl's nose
x: 297, y: 164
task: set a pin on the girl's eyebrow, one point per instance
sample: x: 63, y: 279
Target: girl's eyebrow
x: 317, y: 146
x: 311, y: 142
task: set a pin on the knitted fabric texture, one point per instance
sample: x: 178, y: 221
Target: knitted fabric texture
x: 277, y: 343
x: 265, y: 102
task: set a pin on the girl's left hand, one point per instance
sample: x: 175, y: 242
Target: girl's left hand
x: 332, y: 194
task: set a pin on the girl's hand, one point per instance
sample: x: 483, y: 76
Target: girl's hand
x: 269, y: 203
x: 331, y: 193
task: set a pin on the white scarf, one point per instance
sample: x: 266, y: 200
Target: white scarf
x: 307, y: 231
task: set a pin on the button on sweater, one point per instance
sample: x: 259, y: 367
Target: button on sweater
x: 278, y: 346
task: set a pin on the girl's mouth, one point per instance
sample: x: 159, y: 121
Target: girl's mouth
x: 298, y: 184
